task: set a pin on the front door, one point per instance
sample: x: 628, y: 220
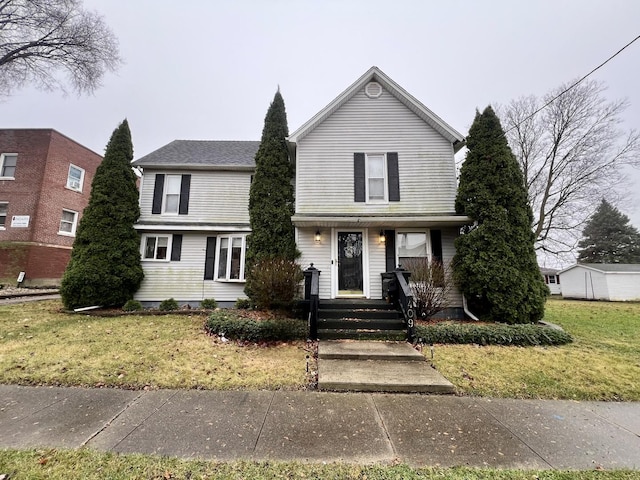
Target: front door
x: 350, y: 272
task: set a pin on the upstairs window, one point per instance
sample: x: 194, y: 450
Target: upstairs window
x: 3, y: 214
x: 376, y: 178
x: 68, y: 223
x: 8, y: 163
x: 75, y: 179
x: 171, y: 194
x: 231, y: 253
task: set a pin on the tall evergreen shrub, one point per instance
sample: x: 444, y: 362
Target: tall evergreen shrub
x: 495, y: 264
x: 105, y: 264
x: 271, y: 198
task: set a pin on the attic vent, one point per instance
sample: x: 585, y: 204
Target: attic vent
x: 373, y: 90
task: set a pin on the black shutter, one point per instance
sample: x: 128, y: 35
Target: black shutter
x: 436, y: 245
x: 394, y: 177
x: 390, y: 249
x: 359, y: 177
x: 209, y: 259
x: 176, y: 248
x: 156, y: 206
x: 185, y: 187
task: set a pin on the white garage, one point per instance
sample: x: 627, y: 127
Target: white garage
x: 601, y: 281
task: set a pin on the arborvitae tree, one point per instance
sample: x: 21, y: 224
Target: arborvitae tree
x: 271, y: 198
x: 609, y: 238
x: 495, y: 264
x: 105, y: 262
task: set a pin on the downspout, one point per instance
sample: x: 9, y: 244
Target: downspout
x: 466, y: 309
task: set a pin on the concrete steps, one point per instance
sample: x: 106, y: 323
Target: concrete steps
x: 370, y: 366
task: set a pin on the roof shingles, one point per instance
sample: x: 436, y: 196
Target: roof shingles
x: 202, y: 153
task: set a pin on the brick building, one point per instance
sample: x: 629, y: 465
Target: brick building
x: 45, y: 182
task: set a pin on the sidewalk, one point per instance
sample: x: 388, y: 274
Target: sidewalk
x: 332, y: 427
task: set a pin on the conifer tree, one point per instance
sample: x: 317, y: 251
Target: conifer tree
x: 271, y: 198
x: 105, y: 264
x: 609, y: 238
x: 495, y: 264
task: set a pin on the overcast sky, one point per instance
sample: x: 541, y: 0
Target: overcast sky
x: 207, y: 70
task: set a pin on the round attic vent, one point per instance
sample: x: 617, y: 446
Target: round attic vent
x: 373, y: 90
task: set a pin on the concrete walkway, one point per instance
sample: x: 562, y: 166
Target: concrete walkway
x: 311, y: 426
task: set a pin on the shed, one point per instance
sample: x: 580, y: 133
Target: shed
x: 601, y: 281
x: 552, y: 280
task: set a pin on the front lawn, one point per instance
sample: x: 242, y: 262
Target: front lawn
x: 601, y: 364
x: 41, y: 345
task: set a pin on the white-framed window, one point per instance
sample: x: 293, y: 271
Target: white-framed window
x: 75, y: 179
x: 8, y: 162
x: 230, y: 258
x: 68, y: 223
x: 4, y: 206
x: 156, y: 247
x: 376, y: 178
x: 412, y: 244
x: 171, y: 201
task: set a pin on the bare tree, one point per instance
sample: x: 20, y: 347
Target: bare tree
x: 572, y: 154
x: 42, y: 39
x: 431, y: 284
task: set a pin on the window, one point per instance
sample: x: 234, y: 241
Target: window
x: 68, y: 222
x: 75, y: 179
x: 3, y: 214
x: 552, y: 279
x: 171, y: 194
x: 155, y: 247
x: 411, y: 245
x: 231, y: 251
x: 376, y: 178
x: 8, y: 165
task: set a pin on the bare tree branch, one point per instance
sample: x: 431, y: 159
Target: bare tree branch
x: 52, y: 43
x: 572, y: 154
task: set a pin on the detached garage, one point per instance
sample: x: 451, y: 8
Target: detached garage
x: 601, y: 281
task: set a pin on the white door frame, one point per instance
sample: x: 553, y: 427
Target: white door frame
x: 334, y: 261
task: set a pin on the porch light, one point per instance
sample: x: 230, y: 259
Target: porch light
x: 318, y: 237
x: 382, y: 238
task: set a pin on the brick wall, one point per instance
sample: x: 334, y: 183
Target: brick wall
x: 39, y: 190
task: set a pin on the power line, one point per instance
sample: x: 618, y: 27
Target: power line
x: 574, y: 84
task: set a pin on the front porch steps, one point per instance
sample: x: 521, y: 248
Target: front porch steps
x: 374, y: 366
x: 359, y: 319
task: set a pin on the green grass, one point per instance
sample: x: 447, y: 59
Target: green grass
x: 88, y: 464
x: 41, y: 345
x: 601, y: 364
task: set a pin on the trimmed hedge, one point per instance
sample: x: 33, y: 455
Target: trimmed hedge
x: 238, y: 328
x: 524, y: 335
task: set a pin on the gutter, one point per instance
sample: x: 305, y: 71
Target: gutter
x: 465, y: 307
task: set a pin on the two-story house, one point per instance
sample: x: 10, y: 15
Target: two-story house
x: 45, y: 183
x: 375, y: 185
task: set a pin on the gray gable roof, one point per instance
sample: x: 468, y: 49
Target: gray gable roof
x: 608, y: 267
x: 202, y: 154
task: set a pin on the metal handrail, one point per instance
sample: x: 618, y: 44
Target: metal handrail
x: 407, y: 304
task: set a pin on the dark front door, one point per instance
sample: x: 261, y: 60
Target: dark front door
x: 350, y: 263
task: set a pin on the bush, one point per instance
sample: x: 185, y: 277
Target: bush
x: 275, y: 283
x: 496, y: 334
x: 168, y: 305
x: 238, y: 328
x: 243, y: 304
x: 132, y: 306
x: 208, y: 304
x: 431, y: 283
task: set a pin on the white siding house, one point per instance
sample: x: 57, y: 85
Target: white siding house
x: 551, y: 280
x: 375, y: 185
x: 600, y: 281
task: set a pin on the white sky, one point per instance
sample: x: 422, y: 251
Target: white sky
x: 200, y: 69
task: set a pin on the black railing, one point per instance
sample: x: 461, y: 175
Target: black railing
x: 405, y: 302
x: 312, y: 296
